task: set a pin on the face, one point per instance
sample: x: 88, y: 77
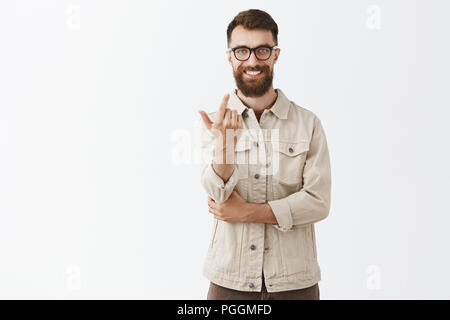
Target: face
x: 252, y: 85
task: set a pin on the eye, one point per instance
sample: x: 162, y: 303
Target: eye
x: 241, y: 50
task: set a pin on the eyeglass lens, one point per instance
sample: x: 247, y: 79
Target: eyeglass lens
x: 262, y: 53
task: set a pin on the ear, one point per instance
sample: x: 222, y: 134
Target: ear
x: 277, y: 53
x: 229, y: 58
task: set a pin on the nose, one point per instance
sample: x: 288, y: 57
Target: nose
x: 252, y: 60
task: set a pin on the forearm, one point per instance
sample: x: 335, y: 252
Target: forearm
x: 261, y: 212
x: 223, y: 162
x: 220, y: 175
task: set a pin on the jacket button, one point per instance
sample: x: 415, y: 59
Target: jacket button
x: 291, y: 150
x: 257, y: 176
x: 255, y: 144
x: 253, y: 247
x: 251, y: 285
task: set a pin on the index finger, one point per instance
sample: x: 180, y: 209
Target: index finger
x: 223, y: 106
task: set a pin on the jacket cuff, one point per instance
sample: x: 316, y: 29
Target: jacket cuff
x: 217, y: 181
x: 282, y: 213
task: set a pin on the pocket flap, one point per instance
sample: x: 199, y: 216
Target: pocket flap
x: 292, y: 149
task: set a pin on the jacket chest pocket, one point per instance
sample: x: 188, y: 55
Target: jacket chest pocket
x: 291, y: 160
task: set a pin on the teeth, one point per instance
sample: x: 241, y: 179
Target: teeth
x: 253, y: 73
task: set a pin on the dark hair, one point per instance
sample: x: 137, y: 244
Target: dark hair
x: 253, y: 19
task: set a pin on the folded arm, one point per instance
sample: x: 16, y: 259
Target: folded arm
x: 312, y: 203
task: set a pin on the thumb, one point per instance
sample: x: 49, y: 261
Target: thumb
x: 206, y: 120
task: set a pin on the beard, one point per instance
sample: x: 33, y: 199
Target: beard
x: 253, y: 87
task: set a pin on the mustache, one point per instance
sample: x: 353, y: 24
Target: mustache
x: 262, y: 69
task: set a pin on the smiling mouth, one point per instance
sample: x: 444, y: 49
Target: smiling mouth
x: 253, y: 74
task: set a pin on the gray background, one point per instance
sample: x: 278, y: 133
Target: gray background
x: 100, y: 193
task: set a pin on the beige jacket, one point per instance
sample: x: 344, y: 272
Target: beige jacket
x: 282, y: 160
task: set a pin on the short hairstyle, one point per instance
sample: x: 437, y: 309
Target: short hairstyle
x: 253, y: 19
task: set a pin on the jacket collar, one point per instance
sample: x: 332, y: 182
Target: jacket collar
x: 280, y: 107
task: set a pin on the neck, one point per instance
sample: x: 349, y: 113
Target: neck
x: 259, y: 104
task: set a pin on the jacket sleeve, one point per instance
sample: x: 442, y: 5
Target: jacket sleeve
x: 213, y: 184
x: 312, y: 203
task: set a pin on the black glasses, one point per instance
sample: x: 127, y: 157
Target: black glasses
x: 243, y: 53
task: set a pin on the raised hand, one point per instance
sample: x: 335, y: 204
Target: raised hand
x: 228, y: 123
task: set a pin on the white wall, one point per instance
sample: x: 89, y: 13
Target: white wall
x: 98, y: 97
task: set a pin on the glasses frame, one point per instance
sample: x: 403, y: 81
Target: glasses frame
x: 254, y: 52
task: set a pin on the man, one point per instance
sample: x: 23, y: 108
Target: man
x: 263, y: 243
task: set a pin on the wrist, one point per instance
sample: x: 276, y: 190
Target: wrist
x: 223, y: 155
x: 251, y: 210
x: 225, y: 146
x: 260, y: 212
